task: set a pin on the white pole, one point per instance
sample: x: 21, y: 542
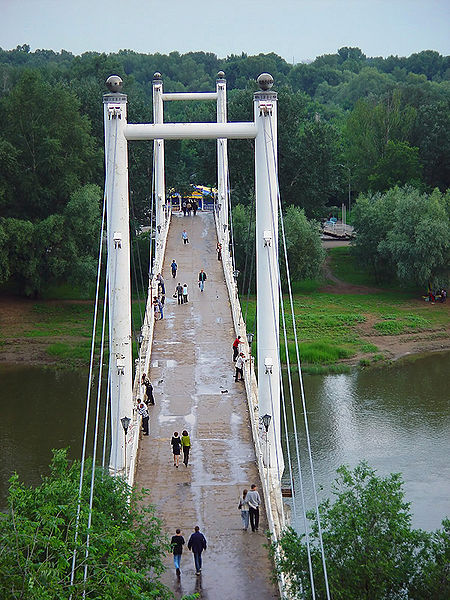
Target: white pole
x: 158, y: 149
x: 268, y: 302
x: 118, y: 245
x: 222, y: 164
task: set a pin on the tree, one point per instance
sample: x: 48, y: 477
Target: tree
x: 371, y: 551
x: 38, y: 539
x: 398, y: 165
x: 404, y: 233
x: 303, y: 244
x: 54, y: 150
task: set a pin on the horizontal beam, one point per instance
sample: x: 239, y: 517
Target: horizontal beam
x: 193, y: 131
x: 190, y: 96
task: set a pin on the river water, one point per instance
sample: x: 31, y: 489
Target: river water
x: 397, y: 418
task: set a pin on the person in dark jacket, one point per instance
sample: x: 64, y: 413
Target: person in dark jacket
x: 177, y: 542
x: 197, y: 543
x: 201, y: 280
x: 176, y: 449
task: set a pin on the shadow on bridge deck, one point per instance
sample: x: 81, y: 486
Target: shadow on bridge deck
x: 192, y: 373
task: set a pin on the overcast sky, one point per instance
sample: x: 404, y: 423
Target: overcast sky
x: 295, y: 29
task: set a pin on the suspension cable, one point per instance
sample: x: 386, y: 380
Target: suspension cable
x: 88, y: 399
x: 275, y: 234
x: 94, y: 443
x: 303, y: 397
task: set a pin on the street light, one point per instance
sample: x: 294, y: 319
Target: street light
x: 349, y: 188
x: 125, y: 423
x: 266, y: 422
x: 250, y: 336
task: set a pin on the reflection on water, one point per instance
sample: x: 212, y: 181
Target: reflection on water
x: 397, y: 418
x: 41, y: 409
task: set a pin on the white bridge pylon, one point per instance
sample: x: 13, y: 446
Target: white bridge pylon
x: 263, y: 130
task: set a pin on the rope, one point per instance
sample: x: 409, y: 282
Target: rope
x: 305, y: 416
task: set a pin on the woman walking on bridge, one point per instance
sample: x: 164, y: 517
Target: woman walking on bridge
x: 176, y: 449
x: 186, y: 444
x: 244, y: 508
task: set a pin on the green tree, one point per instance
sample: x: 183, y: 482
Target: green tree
x: 398, y: 165
x: 54, y: 150
x: 303, y: 244
x: 38, y: 539
x: 372, y: 553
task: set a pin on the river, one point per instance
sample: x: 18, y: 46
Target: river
x: 397, y: 418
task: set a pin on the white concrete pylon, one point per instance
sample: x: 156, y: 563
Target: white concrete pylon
x: 119, y: 290
x: 158, y: 150
x: 222, y: 163
x: 267, y: 278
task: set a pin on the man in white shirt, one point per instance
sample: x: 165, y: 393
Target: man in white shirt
x: 254, y: 500
x: 240, y: 367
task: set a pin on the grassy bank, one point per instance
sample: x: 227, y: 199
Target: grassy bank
x: 339, y: 328
x: 339, y: 325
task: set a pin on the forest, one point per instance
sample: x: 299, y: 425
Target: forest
x: 350, y: 126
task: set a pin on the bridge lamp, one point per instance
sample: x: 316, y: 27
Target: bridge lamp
x: 266, y: 421
x: 125, y: 424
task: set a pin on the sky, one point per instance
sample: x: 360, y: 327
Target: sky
x: 297, y: 30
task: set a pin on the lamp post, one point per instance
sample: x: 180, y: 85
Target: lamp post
x: 125, y: 423
x: 266, y: 422
x: 349, y: 186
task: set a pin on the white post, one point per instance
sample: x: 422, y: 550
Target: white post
x: 118, y: 245
x: 268, y: 302
x: 222, y: 163
x: 158, y: 150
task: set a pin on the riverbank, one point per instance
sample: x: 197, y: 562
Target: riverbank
x: 342, y: 322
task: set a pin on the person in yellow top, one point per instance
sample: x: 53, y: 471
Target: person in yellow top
x: 186, y: 445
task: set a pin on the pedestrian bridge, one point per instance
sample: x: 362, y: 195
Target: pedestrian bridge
x: 235, y: 427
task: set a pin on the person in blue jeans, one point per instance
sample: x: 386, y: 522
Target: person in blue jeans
x: 201, y: 280
x: 197, y: 543
x: 177, y: 542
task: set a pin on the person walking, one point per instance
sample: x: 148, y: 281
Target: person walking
x: 186, y: 445
x: 185, y: 293
x: 236, y: 343
x: 184, y: 236
x: 179, y: 293
x: 145, y: 418
x: 160, y: 280
x: 243, y: 507
x: 176, y: 449
x: 174, y: 268
x: 148, y: 389
x: 197, y: 543
x: 239, y: 367
x: 177, y: 543
x: 183, y: 207
x: 254, y: 501
x: 219, y: 251
x: 201, y: 280
x: 194, y: 207
x: 158, y: 307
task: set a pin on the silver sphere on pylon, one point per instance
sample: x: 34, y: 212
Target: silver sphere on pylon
x: 157, y: 75
x: 114, y: 83
x: 220, y: 75
x: 265, y: 81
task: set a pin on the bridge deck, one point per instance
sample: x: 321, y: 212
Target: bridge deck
x: 190, y: 368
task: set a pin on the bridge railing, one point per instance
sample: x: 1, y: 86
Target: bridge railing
x: 142, y: 363
x: 271, y: 486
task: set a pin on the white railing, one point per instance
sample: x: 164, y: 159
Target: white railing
x: 271, y: 486
x: 143, y: 361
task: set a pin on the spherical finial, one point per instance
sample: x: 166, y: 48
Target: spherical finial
x: 265, y: 81
x: 114, y: 83
x: 220, y: 75
x: 157, y: 75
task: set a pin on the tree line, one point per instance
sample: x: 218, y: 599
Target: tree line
x: 348, y: 125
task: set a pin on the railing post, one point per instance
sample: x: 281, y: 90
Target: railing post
x: 118, y: 245
x: 268, y: 302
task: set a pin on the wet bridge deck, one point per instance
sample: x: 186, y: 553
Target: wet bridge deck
x: 191, y: 368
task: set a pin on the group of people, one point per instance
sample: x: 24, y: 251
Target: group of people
x: 249, y: 504
x: 196, y: 543
x: 239, y: 360
x: 188, y: 206
x: 440, y: 296
x: 143, y: 405
x: 178, y: 443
